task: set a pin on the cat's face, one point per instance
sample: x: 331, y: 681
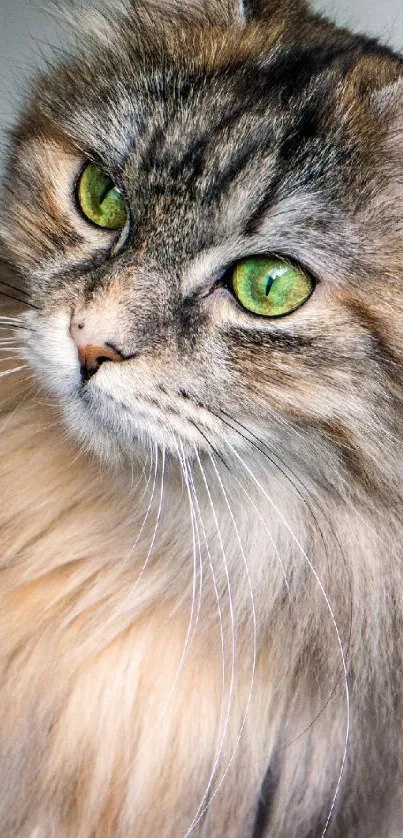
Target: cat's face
x: 230, y: 157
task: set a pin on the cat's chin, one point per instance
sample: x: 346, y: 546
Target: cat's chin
x: 121, y: 411
x: 107, y: 428
x: 104, y: 415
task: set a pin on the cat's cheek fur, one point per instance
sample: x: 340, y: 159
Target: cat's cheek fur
x: 52, y: 353
x: 49, y: 170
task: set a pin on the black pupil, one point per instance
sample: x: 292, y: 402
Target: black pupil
x: 269, y: 283
x: 107, y: 188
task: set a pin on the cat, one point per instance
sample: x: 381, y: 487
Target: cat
x: 201, y: 431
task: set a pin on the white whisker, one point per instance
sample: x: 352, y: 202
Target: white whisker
x: 16, y: 369
x: 334, y: 622
x: 191, y: 628
x: 202, y: 807
x: 222, y: 723
x: 154, y: 534
x: 254, y: 625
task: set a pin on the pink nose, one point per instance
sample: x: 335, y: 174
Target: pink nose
x: 91, y: 358
x: 92, y: 355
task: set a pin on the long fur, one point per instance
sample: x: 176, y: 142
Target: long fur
x: 201, y: 615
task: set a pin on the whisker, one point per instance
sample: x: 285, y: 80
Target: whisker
x: 221, y: 729
x: 148, y: 510
x: 7, y: 320
x: 17, y: 300
x: 272, y: 457
x: 8, y: 418
x: 13, y: 288
x: 202, y: 806
x: 154, y: 534
x: 254, y: 627
x: 333, y: 620
x: 191, y: 629
x: 14, y: 323
x: 209, y: 443
x: 16, y: 369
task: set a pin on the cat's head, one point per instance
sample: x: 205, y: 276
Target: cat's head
x: 205, y: 202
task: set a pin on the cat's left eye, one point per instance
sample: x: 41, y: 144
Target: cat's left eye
x: 269, y: 286
x: 100, y: 200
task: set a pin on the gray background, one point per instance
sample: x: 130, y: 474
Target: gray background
x: 26, y: 30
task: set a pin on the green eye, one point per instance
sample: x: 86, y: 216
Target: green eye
x: 270, y: 287
x: 100, y: 200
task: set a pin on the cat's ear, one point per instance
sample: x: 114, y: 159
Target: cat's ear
x: 386, y: 115
x: 387, y: 105
x: 227, y: 12
x: 389, y: 100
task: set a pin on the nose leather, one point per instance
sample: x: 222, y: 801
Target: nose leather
x: 92, y: 355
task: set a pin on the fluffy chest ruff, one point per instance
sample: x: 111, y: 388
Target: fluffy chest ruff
x: 172, y: 662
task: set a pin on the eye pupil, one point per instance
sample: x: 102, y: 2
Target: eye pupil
x: 106, y: 191
x: 269, y: 284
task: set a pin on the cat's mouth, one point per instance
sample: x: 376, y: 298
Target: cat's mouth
x: 122, y: 405
x: 171, y: 421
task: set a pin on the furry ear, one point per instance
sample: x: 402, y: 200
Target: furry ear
x: 387, y: 103
x: 223, y: 12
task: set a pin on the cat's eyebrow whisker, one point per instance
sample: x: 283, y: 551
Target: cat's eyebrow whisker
x: 202, y: 806
x: 333, y: 620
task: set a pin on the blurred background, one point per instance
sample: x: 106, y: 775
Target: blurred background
x: 27, y: 30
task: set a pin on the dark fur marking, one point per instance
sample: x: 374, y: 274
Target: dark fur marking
x: 267, y: 792
x: 271, y: 338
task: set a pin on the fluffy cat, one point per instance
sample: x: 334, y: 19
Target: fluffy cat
x: 201, y: 436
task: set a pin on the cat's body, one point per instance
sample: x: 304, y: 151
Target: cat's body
x: 114, y: 716
x: 204, y: 634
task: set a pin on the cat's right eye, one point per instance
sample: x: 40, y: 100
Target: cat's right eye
x: 270, y: 286
x: 100, y: 201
